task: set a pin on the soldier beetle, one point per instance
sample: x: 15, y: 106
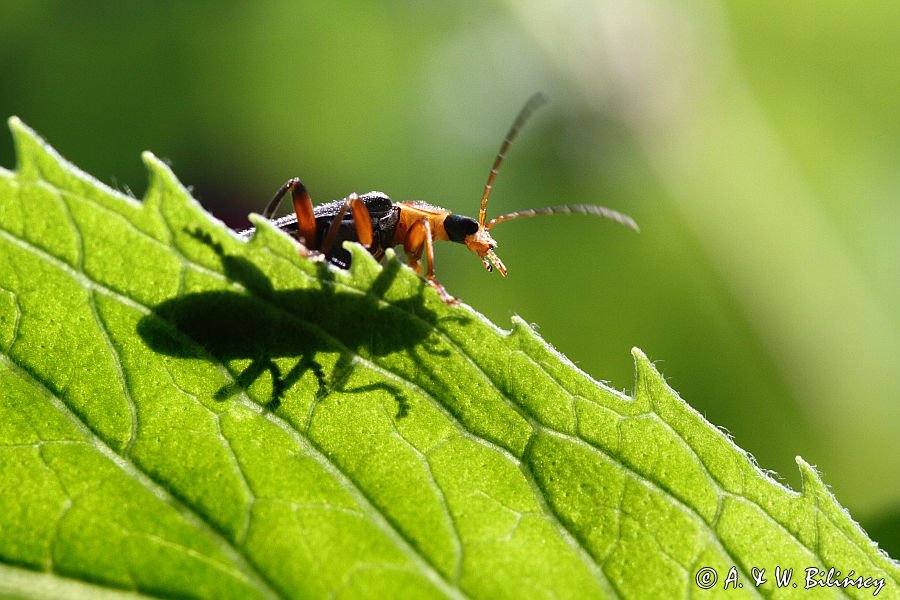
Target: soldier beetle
x: 378, y: 223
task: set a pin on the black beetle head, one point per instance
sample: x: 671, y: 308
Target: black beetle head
x: 459, y: 227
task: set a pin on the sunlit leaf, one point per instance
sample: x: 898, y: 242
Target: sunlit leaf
x: 187, y: 414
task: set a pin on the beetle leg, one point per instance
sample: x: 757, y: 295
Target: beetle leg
x: 418, y: 239
x: 361, y: 220
x: 272, y: 206
x: 414, y: 244
x: 331, y: 235
x: 306, y: 221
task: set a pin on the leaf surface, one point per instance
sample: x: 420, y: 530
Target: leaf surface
x: 187, y: 414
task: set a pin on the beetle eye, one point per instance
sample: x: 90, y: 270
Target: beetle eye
x: 458, y: 227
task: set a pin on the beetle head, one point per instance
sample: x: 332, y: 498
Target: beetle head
x: 482, y: 244
x: 466, y: 230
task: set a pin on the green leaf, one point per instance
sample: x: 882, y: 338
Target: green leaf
x: 187, y: 414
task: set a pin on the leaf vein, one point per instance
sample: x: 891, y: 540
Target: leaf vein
x: 439, y: 493
x: 724, y: 492
x: 640, y: 478
x: 385, y: 524
x: 127, y: 466
x: 539, y: 494
x: 242, y: 476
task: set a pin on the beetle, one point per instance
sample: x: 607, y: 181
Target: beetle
x: 378, y: 223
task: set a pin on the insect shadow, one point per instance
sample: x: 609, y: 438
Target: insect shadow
x: 262, y: 324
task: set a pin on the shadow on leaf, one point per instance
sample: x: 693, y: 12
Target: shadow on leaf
x: 262, y: 324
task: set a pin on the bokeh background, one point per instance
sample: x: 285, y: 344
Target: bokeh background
x: 756, y: 143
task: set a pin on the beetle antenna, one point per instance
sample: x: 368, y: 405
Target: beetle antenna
x: 566, y: 209
x: 532, y: 105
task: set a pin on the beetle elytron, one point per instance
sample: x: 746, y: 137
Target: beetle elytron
x: 377, y: 223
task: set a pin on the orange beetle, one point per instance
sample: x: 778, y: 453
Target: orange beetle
x: 377, y: 223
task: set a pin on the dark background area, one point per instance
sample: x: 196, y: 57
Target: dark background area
x: 756, y: 144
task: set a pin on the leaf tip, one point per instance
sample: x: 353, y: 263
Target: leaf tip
x: 149, y: 158
x: 643, y: 366
x: 37, y: 160
x: 646, y: 377
x: 156, y: 166
x: 24, y: 136
x: 818, y: 493
x: 160, y: 177
x: 267, y: 234
x: 809, y: 477
x: 15, y: 123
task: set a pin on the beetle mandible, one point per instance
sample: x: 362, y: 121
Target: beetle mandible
x: 378, y: 223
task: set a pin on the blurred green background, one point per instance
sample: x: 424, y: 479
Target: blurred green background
x: 756, y: 144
